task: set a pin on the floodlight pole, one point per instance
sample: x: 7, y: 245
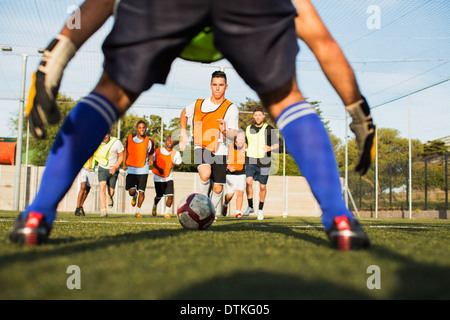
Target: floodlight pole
x: 18, y: 161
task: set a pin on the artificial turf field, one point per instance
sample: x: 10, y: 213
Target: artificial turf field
x: 121, y: 257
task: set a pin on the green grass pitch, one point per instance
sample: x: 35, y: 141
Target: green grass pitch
x: 121, y: 257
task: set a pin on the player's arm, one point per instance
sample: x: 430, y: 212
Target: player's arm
x: 92, y: 15
x: 125, y: 157
x: 332, y: 60
x: 41, y: 108
x: 313, y: 32
x: 272, y: 146
x: 183, y: 127
x: 119, y: 162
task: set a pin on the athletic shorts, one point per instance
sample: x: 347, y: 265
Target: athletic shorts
x: 164, y: 188
x: 260, y: 174
x: 218, y: 164
x: 111, y: 179
x: 258, y: 37
x: 136, y: 181
x: 87, y: 177
x: 235, y: 182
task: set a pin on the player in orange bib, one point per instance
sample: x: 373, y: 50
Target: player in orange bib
x: 164, y: 160
x: 138, y: 158
x: 215, y: 122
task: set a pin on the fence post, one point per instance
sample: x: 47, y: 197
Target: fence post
x: 446, y: 183
x: 426, y: 184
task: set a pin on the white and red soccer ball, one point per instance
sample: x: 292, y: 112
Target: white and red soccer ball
x: 196, y: 212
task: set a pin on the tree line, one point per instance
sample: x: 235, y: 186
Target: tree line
x: 392, y: 149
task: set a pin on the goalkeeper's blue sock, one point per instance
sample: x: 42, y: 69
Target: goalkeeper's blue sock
x: 309, y: 144
x: 80, y: 135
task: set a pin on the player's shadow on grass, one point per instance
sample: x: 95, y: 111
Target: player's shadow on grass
x: 289, y: 231
x: 260, y: 285
x: 59, y: 247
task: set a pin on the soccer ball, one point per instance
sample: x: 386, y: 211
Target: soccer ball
x: 196, y: 212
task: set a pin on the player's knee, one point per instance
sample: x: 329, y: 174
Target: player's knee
x: 277, y: 95
x: 121, y: 99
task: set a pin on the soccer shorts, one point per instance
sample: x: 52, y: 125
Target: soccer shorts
x: 87, y: 177
x: 111, y: 179
x: 260, y: 174
x: 218, y: 164
x: 235, y: 182
x: 138, y: 181
x: 164, y: 188
x: 258, y: 37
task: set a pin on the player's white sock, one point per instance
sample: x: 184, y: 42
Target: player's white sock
x: 215, y: 198
x: 204, y: 187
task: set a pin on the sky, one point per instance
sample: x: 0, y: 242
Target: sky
x: 397, y: 48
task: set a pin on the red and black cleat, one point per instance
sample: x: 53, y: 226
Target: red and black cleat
x: 31, y: 230
x: 346, y: 234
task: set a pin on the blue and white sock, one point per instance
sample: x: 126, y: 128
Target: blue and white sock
x: 80, y: 135
x: 309, y: 144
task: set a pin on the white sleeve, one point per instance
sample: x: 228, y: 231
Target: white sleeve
x: 177, y: 158
x: 232, y: 117
x: 190, y: 110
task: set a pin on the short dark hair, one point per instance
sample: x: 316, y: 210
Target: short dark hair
x: 141, y: 121
x: 258, y: 108
x: 219, y: 74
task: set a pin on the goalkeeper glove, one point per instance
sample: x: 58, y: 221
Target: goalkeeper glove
x: 41, y: 108
x: 364, y: 130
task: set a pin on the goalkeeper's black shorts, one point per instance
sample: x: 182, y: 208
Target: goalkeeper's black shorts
x: 258, y: 37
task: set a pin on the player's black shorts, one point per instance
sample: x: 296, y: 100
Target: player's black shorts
x: 258, y: 37
x: 138, y: 181
x: 164, y: 188
x: 218, y: 164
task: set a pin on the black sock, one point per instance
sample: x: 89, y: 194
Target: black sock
x: 261, y: 205
x: 250, y: 203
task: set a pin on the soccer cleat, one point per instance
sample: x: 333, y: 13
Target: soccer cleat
x: 77, y: 212
x: 133, y: 200
x: 238, y: 215
x: 154, y: 211
x: 346, y: 234
x: 224, y: 210
x: 260, y: 215
x: 82, y: 211
x: 364, y: 129
x: 137, y: 215
x: 104, y: 213
x: 166, y: 215
x: 248, y: 211
x: 110, y: 202
x: 31, y: 230
x: 41, y: 108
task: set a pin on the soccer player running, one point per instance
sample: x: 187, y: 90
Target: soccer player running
x: 137, y: 162
x: 215, y: 120
x: 86, y: 180
x: 164, y: 160
x: 235, y: 174
x: 259, y: 38
x: 261, y: 140
x: 109, y: 155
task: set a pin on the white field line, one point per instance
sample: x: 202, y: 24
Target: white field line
x: 263, y: 225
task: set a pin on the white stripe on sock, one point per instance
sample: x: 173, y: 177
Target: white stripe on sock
x: 295, y: 112
x: 102, y: 107
x: 108, y: 106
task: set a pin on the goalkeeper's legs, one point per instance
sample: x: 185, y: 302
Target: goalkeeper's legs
x: 80, y: 135
x: 309, y: 144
